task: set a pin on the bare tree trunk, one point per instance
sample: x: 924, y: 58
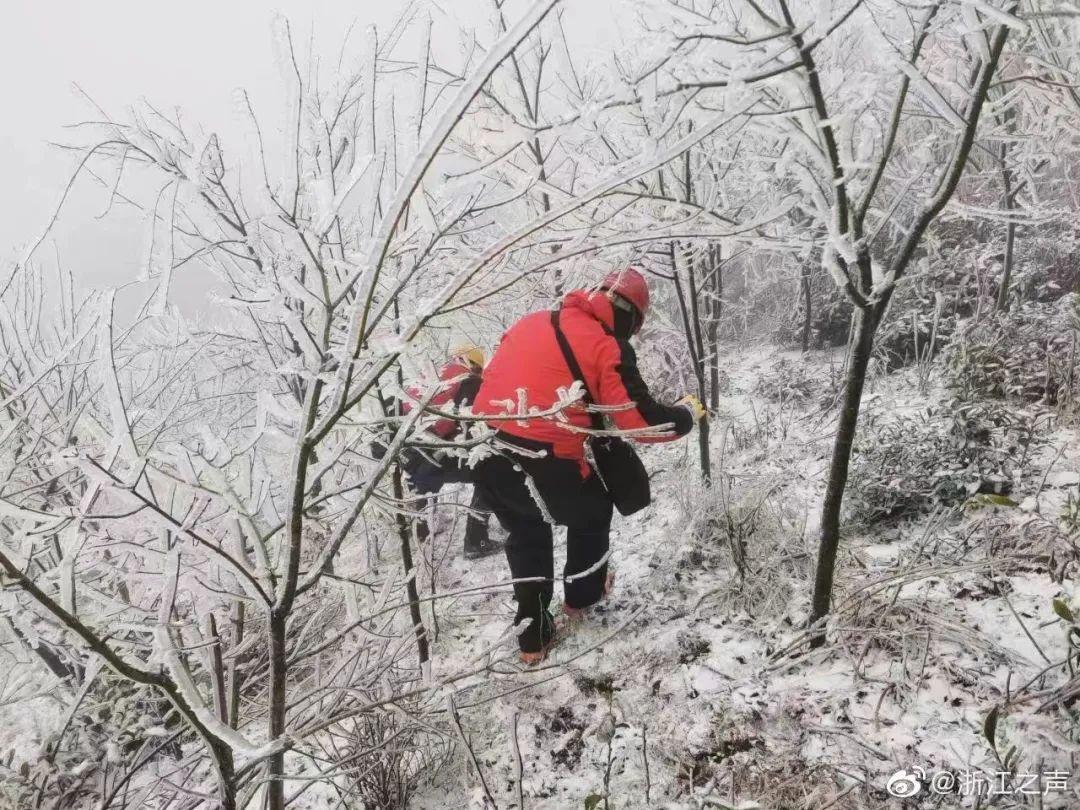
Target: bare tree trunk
x: 703, y: 426
x: 869, y: 312
x: 227, y: 776
x: 715, y: 302
x: 693, y: 325
x: 234, y: 677
x: 405, y: 535
x: 216, y: 666
x: 404, y: 527
x: 275, y: 789
x: 1009, y: 204
x: 838, y: 469
x: 804, y: 283
x: 692, y: 331
x: 1010, y: 249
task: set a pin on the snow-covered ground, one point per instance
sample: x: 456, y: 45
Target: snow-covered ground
x: 690, y: 687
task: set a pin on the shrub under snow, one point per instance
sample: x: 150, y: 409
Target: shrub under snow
x: 941, y: 456
x: 1027, y: 354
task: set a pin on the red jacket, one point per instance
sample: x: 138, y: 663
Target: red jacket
x: 529, y: 359
x: 457, y: 393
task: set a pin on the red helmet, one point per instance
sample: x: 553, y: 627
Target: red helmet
x: 631, y: 285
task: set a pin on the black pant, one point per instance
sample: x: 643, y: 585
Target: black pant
x: 582, y: 505
x: 427, y: 477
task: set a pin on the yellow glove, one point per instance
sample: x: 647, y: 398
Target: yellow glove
x: 693, y: 404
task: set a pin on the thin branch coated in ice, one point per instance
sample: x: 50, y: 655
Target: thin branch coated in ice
x: 419, y: 167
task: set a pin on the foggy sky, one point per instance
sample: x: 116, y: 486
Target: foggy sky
x: 189, y: 56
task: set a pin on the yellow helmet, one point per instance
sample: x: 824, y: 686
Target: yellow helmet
x: 471, y: 352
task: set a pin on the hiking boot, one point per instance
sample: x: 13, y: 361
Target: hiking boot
x: 575, y: 613
x: 531, y: 659
x: 544, y: 635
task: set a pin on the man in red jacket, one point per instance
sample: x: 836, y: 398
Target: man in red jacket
x: 540, y: 475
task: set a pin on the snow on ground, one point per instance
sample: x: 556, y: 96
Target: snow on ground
x: 682, y: 691
x: 692, y: 685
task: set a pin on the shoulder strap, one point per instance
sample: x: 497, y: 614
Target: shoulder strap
x: 575, y: 368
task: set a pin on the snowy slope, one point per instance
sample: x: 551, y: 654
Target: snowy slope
x: 681, y: 690
x: 692, y: 685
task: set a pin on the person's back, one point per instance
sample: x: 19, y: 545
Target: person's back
x: 530, y: 360
x: 539, y: 474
